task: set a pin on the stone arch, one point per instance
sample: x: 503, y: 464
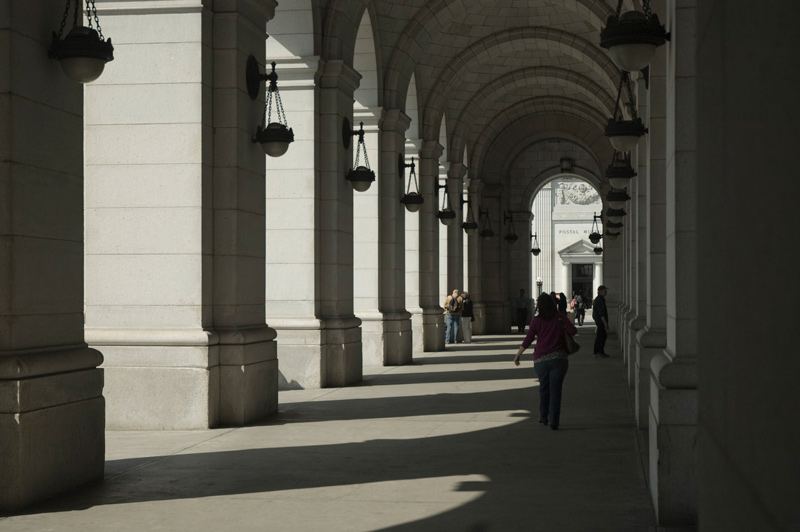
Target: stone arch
x: 551, y: 106
x: 475, y: 114
x: 528, y: 38
x: 434, y: 17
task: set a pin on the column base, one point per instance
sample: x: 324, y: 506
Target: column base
x: 496, y: 320
x: 673, y: 442
x: 52, y: 418
x: 386, y: 338
x: 159, y: 379
x: 433, y: 328
x: 417, y: 328
x: 318, y: 353
x: 479, y: 325
x: 248, y: 375
x: 649, y: 344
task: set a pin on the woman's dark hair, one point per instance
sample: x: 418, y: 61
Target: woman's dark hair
x: 545, y: 307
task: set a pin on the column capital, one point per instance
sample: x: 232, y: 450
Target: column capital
x: 431, y: 149
x: 394, y: 120
x: 457, y: 171
x: 475, y: 186
x: 336, y: 73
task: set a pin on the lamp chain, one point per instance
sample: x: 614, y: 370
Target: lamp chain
x: 632, y: 102
x: 646, y: 5
x: 444, y: 197
x: 93, y: 13
x: 414, y: 175
x: 77, y: 10
x: 619, y: 7
x: 361, y: 145
x: 64, y: 19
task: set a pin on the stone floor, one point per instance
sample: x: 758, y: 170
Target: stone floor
x: 449, y: 443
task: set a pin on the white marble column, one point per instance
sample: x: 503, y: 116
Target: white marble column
x: 429, y: 296
x: 175, y: 250
x: 320, y: 337
x: 491, y: 265
x: 366, y: 242
x: 51, y: 404
x: 673, y: 422
x: 652, y: 339
x: 474, y: 250
x: 412, y: 249
x: 455, y: 234
x: 566, y: 278
x: 396, y: 340
x: 598, y: 274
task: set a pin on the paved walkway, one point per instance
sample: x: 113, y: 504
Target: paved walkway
x: 449, y: 443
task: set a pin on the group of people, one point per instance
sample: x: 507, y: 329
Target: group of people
x: 458, y: 305
x: 549, y: 327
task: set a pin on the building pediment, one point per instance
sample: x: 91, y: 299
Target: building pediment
x: 580, y: 249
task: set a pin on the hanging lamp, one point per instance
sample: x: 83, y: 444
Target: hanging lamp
x: 412, y: 199
x: 360, y: 176
x: 486, y: 233
x: 83, y: 53
x: 625, y: 134
x: 595, y: 236
x: 631, y: 38
x: 535, y: 249
x: 511, y: 235
x: 620, y: 173
x: 274, y: 137
x: 470, y: 226
x: 446, y: 215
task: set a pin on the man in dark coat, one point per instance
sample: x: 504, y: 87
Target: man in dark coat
x: 600, y: 317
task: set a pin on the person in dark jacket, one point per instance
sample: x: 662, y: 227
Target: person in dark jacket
x: 467, y: 317
x: 562, y: 303
x: 600, y: 317
x: 549, y: 356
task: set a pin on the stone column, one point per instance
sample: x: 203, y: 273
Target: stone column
x: 174, y: 221
x: 491, y: 266
x: 598, y: 274
x: 566, y: 280
x: 455, y: 235
x: 291, y: 194
x: 475, y: 280
x: 429, y: 296
x: 412, y: 241
x: 652, y: 338
x: 320, y: 337
x: 396, y: 339
x: 51, y: 405
x: 366, y: 246
x: 673, y: 422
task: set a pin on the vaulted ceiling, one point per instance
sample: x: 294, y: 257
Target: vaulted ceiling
x: 498, y: 71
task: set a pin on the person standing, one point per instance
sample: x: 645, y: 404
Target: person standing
x: 549, y: 357
x: 467, y: 317
x: 522, y: 303
x: 600, y: 317
x: 453, y: 307
x: 562, y: 303
x: 580, y: 308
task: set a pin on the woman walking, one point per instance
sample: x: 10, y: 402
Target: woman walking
x: 549, y: 357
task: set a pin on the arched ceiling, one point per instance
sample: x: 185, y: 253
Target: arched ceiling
x: 495, y: 69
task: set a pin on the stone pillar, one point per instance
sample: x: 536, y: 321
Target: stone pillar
x: 366, y: 238
x: 412, y: 241
x: 455, y: 235
x: 673, y: 422
x: 291, y: 240
x: 598, y: 274
x: 474, y: 241
x: 174, y: 248
x: 323, y: 349
x: 652, y: 338
x: 429, y: 296
x: 491, y: 266
x: 51, y: 404
x: 396, y: 338
x: 566, y: 276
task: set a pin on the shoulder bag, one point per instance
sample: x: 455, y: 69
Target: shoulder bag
x: 570, y: 345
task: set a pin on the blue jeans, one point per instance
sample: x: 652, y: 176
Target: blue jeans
x: 452, y: 321
x: 551, y: 375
